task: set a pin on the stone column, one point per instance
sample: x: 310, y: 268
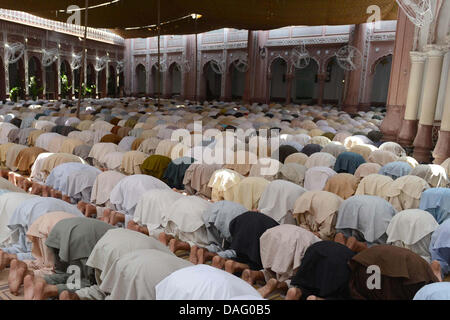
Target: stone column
x: 353, y: 80
x: 44, y: 81
x: 167, y: 84
x: 6, y: 66
x: 224, y: 75
x: 409, y: 125
x: 85, y: 79
x: 97, y: 92
x: 290, y: 77
x: 321, y: 77
x: 73, y: 83
x: 106, y: 80
x: 442, y: 150
x: 25, y: 63
x: 252, y: 54
x: 399, y: 80
x: 58, y: 78
x: 423, y: 141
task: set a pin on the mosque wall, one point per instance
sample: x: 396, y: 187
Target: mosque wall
x: 419, y: 95
x: 37, y: 34
x: 321, y: 82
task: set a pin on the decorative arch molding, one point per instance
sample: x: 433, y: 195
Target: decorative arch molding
x: 174, y: 63
x: 376, y: 61
x: 291, y: 68
x: 234, y: 56
x: 141, y: 64
x: 140, y: 60
x: 174, y: 58
x: 272, y: 60
x: 34, y: 54
x: 210, y: 57
x: 326, y: 62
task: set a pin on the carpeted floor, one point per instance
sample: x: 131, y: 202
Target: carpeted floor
x: 6, y: 295
x: 4, y: 290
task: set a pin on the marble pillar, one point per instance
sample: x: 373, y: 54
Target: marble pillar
x: 399, y: 79
x: 423, y: 141
x: 290, y: 79
x: 408, y: 129
x: 353, y: 81
x: 321, y: 77
x: 442, y: 150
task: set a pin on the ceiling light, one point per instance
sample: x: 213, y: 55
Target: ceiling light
x: 196, y: 16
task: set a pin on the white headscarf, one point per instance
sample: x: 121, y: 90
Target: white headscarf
x: 203, y: 282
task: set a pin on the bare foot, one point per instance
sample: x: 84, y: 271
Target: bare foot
x: 36, y: 188
x: 312, y: 297
x: 66, y: 198
x: 218, y: 262
x: 5, y: 259
x: 42, y: 290
x: 436, y: 267
x: 116, y: 217
x: 81, y: 205
x: 293, y: 294
x: 26, y: 185
x: 164, y: 238
x: 45, y: 191
x: 193, y: 255
x: 204, y: 255
x: 133, y: 226
x: 28, y: 285
x: 17, y: 272
x: 355, y: 245
x: 55, y: 194
x: 271, y: 286
x: 232, y: 266
x: 12, y: 178
x: 251, y: 276
x: 19, y: 180
x: 106, y: 215
x: 90, y: 210
x: 175, y: 245
x: 4, y: 173
x: 66, y: 295
x: 144, y: 230
x: 340, y: 238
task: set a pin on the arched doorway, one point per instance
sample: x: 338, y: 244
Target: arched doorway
x: 90, y: 75
x: 175, y: 79
x: 334, y: 83
x: 156, y: 89
x: 237, y: 82
x: 112, y: 82
x: 16, y: 73
x: 213, y: 83
x: 278, y: 80
x: 66, y: 80
x: 305, y: 84
x: 35, y: 71
x: 141, y: 79
x: 51, y: 81
x: 380, y: 84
